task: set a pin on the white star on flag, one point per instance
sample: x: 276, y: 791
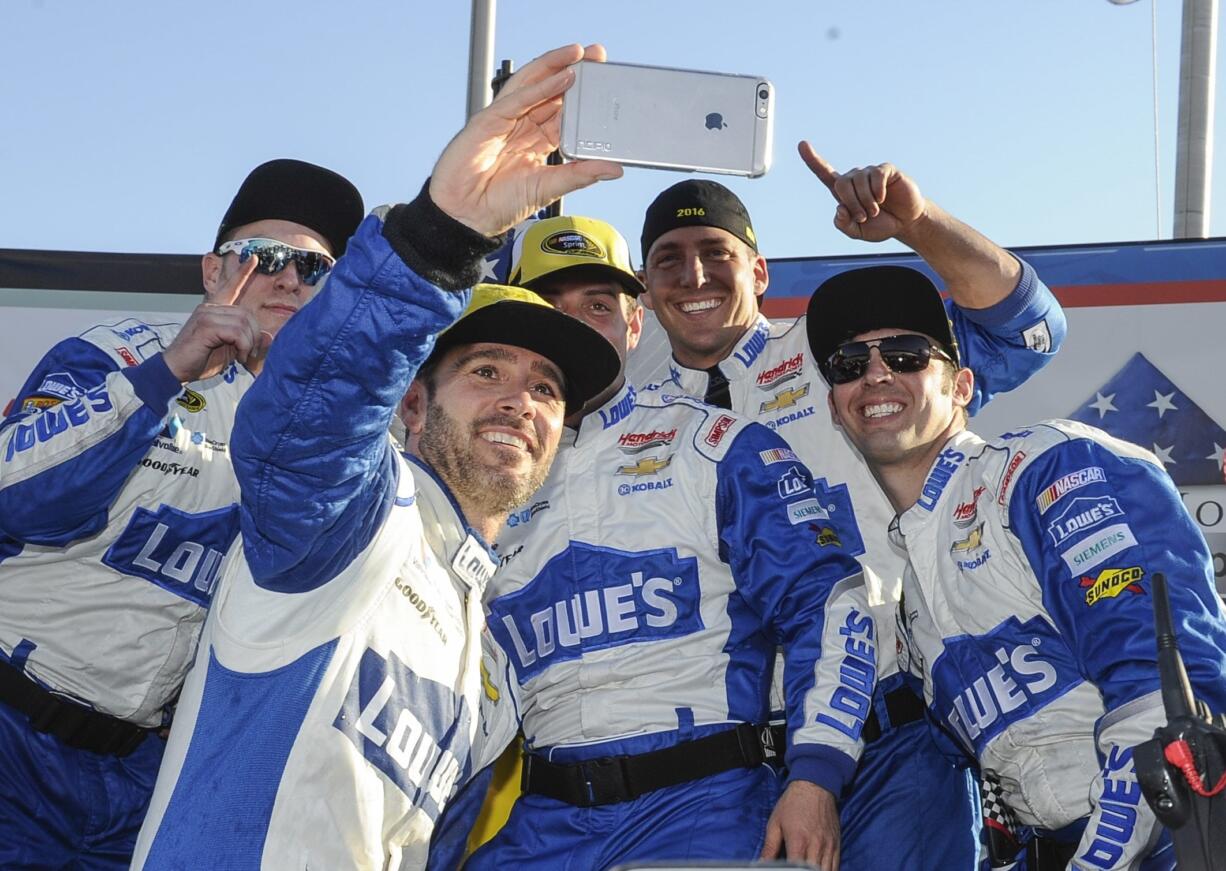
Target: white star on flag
x: 1218, y: 455
x: 1162, y: 402
x: 1164, y: 454
x: 1103, y: 404
x: 487, y: 269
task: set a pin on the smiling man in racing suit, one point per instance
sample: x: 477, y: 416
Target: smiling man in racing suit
x: 705, y: 277
x: 117, y: 504
x: 1027, y: 599
x: 642, y: 596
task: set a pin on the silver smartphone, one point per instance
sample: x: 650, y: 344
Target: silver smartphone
x: 669, y: 118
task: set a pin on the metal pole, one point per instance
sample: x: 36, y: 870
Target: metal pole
x: 481, y: 55
x: 1194, y: 146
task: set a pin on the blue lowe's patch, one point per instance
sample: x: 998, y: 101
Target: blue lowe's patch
x: 754, y: 345
x: 984, y: 684
x: 414, y: 730
x: 53, y: 422
x: 1082, y: 513
x: 942, y: 471
x: 178, y: 551
x: 592, y: 598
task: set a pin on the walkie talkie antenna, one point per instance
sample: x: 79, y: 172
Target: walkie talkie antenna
x: 1177, y: 695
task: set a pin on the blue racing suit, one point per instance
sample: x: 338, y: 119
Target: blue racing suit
x: 1029, y: 615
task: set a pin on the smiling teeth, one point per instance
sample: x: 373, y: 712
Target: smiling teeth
x: 503, y: 438
x: 691, y: 307
x: 882, y: 409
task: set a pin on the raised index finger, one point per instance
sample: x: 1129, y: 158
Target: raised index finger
x: 819, y: 165
x: 233, y: 288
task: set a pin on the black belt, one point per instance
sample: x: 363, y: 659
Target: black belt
x: 74, y: 724
x: 901, y: 705
x: 613, y: 779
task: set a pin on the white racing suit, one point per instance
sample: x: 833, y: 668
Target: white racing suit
x: 343, y: 691
x: 642, y: 596
x: 907, y: 807
x: 1028, y: 607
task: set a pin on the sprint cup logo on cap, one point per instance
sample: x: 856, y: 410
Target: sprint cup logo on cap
x: 572, y: 243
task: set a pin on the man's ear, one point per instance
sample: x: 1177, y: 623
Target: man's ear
x: 210, y: 273
x: 761, y: 278
x: 964, y: 387
x: 635, y: 328
x: 645, y: 296
x: 413, y: 408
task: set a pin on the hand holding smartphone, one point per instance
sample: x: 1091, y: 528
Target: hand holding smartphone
x: 669, y: 118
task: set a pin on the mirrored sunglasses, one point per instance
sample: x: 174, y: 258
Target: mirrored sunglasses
x: 273, y: 256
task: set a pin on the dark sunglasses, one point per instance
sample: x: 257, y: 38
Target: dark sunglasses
x: 274, y: 256
x: 905, y: 353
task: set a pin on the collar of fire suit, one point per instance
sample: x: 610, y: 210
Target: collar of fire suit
x: 614, y: 411
x: 944, y: 466
x: 734, y: 367
x: 454, y: 542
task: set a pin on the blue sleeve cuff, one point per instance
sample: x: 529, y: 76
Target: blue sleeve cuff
x: 828, y: 768
x: 154, y: 383
x: 1019, y: 302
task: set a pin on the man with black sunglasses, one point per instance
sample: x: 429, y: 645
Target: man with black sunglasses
x: 1026, y: 605
x: 705, y: 277
x: 117, y: 505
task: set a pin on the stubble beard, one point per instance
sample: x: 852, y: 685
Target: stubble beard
x: 491, y: 490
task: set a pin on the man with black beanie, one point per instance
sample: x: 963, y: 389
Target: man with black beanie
x: 117, y: 506
x: 904, y: 806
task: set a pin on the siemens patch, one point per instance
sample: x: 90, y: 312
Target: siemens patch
x: 1094, y: 551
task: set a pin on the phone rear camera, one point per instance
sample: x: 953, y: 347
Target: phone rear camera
x: 763, y: 94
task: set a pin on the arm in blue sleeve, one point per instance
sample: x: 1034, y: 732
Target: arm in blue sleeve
x: 1007, y: 343
x: 77, y: 429
x: 310, y: 447
x: 1095, y: 527
x: 790, y: 548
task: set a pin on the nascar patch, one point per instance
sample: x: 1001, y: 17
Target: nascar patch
x: 777, y: 455
x: 1067, y: 484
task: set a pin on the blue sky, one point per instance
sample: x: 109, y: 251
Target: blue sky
x: 127, y: 125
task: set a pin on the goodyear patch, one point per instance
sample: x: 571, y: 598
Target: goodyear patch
x: 1109, y: 583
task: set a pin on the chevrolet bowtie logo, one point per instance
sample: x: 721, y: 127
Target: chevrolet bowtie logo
x: 969, y: 543
x: 645, y: 466
x: 786, y: 398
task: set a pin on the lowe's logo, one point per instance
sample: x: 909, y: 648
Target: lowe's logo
x: 1082, y: 513
x: 983, y: 685
x: 753, y: 347
x: 54, y: 421
x: 415, y: 730
x: 591, y: 598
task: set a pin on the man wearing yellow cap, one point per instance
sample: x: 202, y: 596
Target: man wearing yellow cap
x: 643, y: 592
x: 343, y: 692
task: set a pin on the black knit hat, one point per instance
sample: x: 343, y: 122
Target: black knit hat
x: 697, y: 203
x: 876, y: 297
x: 306, y: 194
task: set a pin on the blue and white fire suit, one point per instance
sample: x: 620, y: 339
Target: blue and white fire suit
x: 928, y: 819
x: 1027, y: 602
x: 117, y: 504
x: 642, y: 595
x: 343, y: 691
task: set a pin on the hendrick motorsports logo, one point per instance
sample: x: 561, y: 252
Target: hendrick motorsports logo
x: 788, y: 369
x: 1111, y: 582
x: 634, y: 442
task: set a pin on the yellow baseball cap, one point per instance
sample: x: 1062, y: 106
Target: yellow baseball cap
x: 518, y: 317
x: 551, y: 246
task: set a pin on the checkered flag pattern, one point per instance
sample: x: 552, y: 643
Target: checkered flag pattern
x: 1000, y: 826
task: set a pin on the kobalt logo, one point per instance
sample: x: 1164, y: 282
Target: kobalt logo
x: 610, y: 610
x: 633, y: 442
x: 1019, y: 678
x: 788, y: 369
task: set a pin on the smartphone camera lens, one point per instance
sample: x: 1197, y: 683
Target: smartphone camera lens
x: 763, y: 94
